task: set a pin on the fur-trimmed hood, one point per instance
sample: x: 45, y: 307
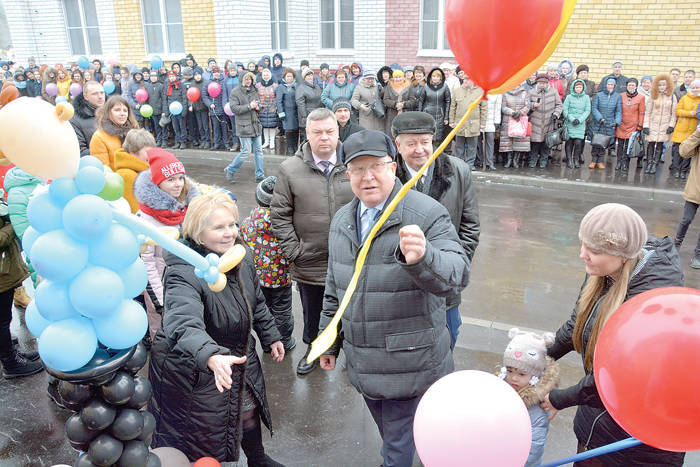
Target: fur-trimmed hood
x: 534, y: 395
x: 146, y: 192
x: 83, y: 108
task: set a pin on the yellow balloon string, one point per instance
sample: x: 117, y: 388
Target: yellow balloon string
x: 324, y: 341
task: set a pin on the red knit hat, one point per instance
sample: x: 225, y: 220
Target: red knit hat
x: 163, y: 164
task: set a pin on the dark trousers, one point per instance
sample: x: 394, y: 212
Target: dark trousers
x: 292, y: 138
x: 191, y: 127
x: 539, y: 150
x: 234, y: 138
x: 6, y: 298
x: 302, y: 135
x: 159, y: 133
x: 574, y: 148
x: 679, y: 163
x: 465, y: 149
x: 394, y: 418
x: 279, y: 301
x: 689, y: 211
x: 654, y: 151
x: 220, y: 129
x: 179, y: 128
x: 311, y: 303
x: 622, y: 145
x: 597, y: 154
x: 202, y: 118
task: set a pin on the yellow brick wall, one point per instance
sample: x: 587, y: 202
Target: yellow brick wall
x: 647, y: 36
x: 127, y: 15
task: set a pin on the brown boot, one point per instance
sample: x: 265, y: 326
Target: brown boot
x: 21, y: 298
x: 591, y: 165
x: 600, y: 165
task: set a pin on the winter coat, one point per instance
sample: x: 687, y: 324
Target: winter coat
x: 287, y: 105
x: 493, y: 114
x: 566, y: 78
x: 393, y: 94
x: 277, y: 70
x: 84, y: 123
x: 355, y: 79
x: 577, y: 106
x: 435, y: 100
x: 308, y: 98
x: 462, y: 98
x: 323, y: 83
x: 218, y: 101
x: 303, y: 203
x: 589, y: 87
x: 177, y: 93
x: 191, y: 414
x: 541, y: 116
x: 606, y: 106
x: 686, y: 124
x: 104, y: 145
x: 451, y: 185
x: 620, y: 83
x: 349, y: 128
x: 199, y: 105
x: 365, y: 94
x: 680, y: 91
x: 268, y: 103
x: 128, y: 167
x: 659, y: 115
x: 230, y: 83
x: 334, y: 91
x: 393, y: 331
x: 514, y: 100
x: 558, y: 85
x: 689, y: 149
x: 155, y: 98
x: 380, y: 81
x: 33, y: 88
x: 64, y: 86
x: 135, y: 105
x: 46, y: 80
x: 247, y: 121
x: 660, y: 266
x: 16, y: 268
x: 632, y: 115
x: 270, y: 265
x: 19, y: 185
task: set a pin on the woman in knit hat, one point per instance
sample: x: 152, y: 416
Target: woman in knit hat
x: 621, y: 262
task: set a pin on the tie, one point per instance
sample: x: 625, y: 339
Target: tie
x: 370, y: 216
x: 327, y: 166
x: 420, y: 184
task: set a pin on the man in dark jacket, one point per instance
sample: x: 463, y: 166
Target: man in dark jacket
x: 154, y: 88
x: 620, y: 79
x: 682, y: 90
x: 191, y: 128
x: 245, y: 104
x: 84, y: 122
x: 393, y: 330
x: 346, y: 127
x: 277, y: 68
x: 448, y: 181
x: 310, y: 188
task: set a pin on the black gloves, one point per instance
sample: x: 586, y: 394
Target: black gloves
x: 553, y: 118
x: 575, y: 122
x: 646, y: 131
x: 669, y: 130
x: 516, y: 115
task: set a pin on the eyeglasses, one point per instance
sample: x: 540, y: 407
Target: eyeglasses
x: 374, y: 169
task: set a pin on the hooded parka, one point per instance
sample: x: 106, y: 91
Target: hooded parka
x: 577, y: 106
x: 659, y: 115
x: 435, y: 100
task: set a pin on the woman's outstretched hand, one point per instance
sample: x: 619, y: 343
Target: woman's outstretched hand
x: 277, y: 351
x: 548, y: 407
x: 220, y: 365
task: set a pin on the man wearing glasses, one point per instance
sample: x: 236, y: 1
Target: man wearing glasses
x: 393, y: 332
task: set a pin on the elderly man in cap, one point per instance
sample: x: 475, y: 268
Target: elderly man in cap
x: 346, y: 127
x: 620, y: 79
x: 393, y: 331
x: 448, y: 181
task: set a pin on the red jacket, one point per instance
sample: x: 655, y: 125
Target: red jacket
x: 559, y: 86
x: 632, y: 115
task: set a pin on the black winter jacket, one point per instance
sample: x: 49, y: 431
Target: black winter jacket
x: 191, y: 414
x: 308, y: 98
x: 155, y: 97
x: 84, y: 123
x: 593, y: 425
x: 436, y: 100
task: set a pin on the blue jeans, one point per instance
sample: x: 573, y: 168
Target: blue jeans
x: 454, y: 321
x: 246, y: 144
x: 179, y: 128
x: 159, y: 133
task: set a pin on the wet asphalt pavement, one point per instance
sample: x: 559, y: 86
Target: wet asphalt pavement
x: 526, y: 273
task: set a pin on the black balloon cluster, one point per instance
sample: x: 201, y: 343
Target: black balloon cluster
x: 110, y: 424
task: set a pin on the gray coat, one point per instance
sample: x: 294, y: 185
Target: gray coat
x: 247, y: 121
x: 367, y: 95
x: 540, y: 117
x: 394, y: 332
x: 308, y: 98
x: 303, y: 203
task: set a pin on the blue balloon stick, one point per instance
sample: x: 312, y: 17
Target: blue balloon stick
x: 617, y: 446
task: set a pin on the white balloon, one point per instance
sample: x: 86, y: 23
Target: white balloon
x: 36, y: 140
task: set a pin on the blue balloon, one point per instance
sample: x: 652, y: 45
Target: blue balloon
x: 44, y: 215
x: 61, y: 99
x: 96, y: 292
x: 212, y: 259
x: 212, y: 274
x: 109, y: 87
x: 68, y: 344
x: 90, y: 180
x: 28, y: 239
x: 87, y: 217
x: 123, y: 328
x: 135, y: 278
x: 116, y: 250
x: 83, y: 62
x: 63, y: 190
x: 58, y: 257
x: 52, y: 301
x: 91, y: 161
x: 175, y: 108
x: 156, y: 62
x: 34, y: 321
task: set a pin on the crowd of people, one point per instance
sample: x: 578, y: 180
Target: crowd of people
x: 354, y: 137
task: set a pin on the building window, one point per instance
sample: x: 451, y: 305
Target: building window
x: 162, y: 26
x: 278, y: 24
x: 337, y: 24
x: 432, y: 25
x: 83, y: 30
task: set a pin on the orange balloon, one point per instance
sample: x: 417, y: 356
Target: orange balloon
x: 499, y: 43
x: 647, y: 369
x: 206, y: 461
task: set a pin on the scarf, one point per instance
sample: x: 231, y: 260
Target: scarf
x: 109, y: 127
x: 166, y: 216
x: 173, y: 84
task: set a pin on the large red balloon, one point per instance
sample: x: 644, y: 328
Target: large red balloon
x: 206, y: 461
x: 647, y: 367
x: 193, y: 94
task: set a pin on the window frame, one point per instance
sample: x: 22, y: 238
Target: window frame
x: 166, y: 54
x: 83, y: 29
x: 443, y: 48
x: 276, y: 24
x: 338, y: 49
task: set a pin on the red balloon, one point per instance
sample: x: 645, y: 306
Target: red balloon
x: 206, y: 461
x: 214, y: 89
x: 141, y: 95
x: 647, y: 369
x: 193, y: 94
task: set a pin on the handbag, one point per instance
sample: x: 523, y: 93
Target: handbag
x: 378, y: 108
x: 556, y: 137
x: 517, y: 128
x: 635, y: 148
x: 600, y: 140
x: 164, y: 121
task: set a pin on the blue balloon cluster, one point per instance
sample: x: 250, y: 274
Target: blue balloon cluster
x: 91, y: 269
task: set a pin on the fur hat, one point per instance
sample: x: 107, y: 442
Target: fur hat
x: 614, y: 229
x: 412, y: 122
x: 581, y: 68
x: 164, y: 165
x: 542, y: 77
x: 341, y: 102
x: 263, y: 192
x: 527, y: 351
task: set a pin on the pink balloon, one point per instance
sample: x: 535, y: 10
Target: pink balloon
x: 52, y: 89
x: 465, y: 418
x: 171, y: 457
x: 227, y: 110
x: 75, y: 90
x: 141, y: 95
x: 214, y: 89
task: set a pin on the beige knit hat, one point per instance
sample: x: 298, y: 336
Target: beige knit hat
x: 527, y: 351
x: 614, y: 229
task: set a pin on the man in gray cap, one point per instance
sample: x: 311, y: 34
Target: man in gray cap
x: 393, y: 331
x: 346, y: 127
x: 448, y: 180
